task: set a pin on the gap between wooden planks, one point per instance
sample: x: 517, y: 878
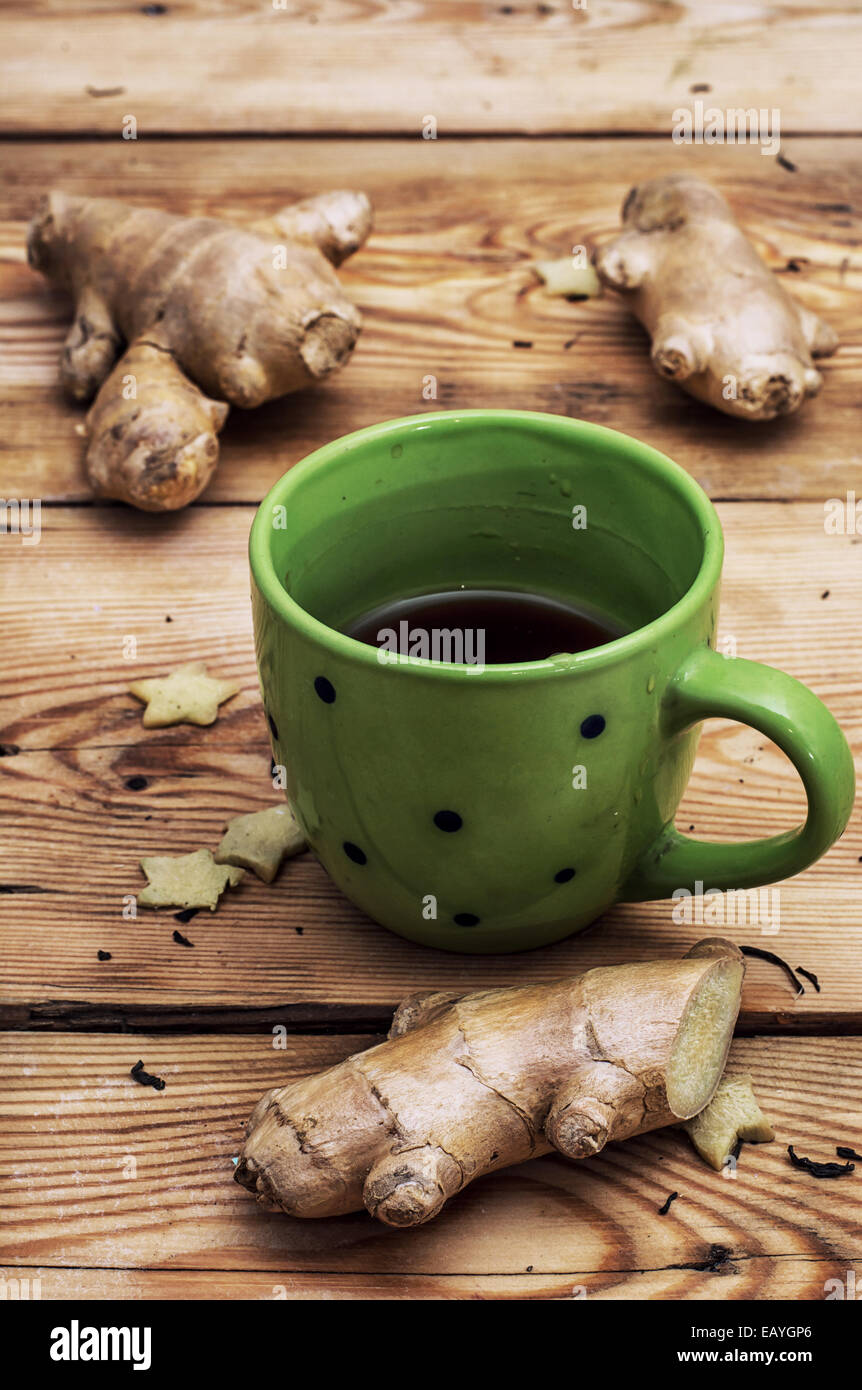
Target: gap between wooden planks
x: 446, y: 289
x: 773, y: 1277
x: 385, y: 66
x: 297, y: 952
x: 102, y: 1174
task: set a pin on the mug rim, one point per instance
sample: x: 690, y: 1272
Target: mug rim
x: 285, y: 607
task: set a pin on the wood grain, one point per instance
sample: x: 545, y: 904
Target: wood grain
x: 111, y: 1190
x: 75, y: 828
x: 788, y: 1277
x: 302, y: 957
x: 110, y: 1176
x: 446, y: 290
x: 178, y: 585
x: 380, y: 65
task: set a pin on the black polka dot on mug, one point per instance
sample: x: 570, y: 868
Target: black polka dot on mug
x: 354, y: 852
x: 592, y: 726
x: 325, y: 690
x: 449, y: 821
x: 564, y: 875
x: 465, y: 919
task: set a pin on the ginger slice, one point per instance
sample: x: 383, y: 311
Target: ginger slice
x: 566, y: 277
x: 732, y: 1114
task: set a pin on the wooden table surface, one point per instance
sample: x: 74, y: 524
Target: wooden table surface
x: 545, y: 115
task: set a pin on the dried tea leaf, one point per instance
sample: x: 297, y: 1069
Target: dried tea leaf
x: 186, y: 880
x: 146, y: 1078
x: 186, y: 696
x: 819, y: 1170
x: 261, y: 840
x: 732, y: 1114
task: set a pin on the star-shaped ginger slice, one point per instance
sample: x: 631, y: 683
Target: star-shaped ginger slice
x: 186, y: 880
x: 261, y: 840
x: 186, y: 696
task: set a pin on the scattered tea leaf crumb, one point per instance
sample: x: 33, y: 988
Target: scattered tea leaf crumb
x: 187, y: 914
x: 103, y: 955
x: 844, y: 1152
x: 182, y: 940
x: 787, y: 163
x: 809, y: 975
x: 819, y: 1170
x: 185, y: 696
x: 522, y: 343
x: 663, y: 1210
x: 145, y: 1078
x: 186, y: 880
x: 759, y: 954
x: 136, y: 784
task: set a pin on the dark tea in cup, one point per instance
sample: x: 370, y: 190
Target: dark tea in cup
x: 481, y: 627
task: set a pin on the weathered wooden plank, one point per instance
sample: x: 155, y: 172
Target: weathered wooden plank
x: 77, y: 820
x: 107, y: 1175
x: 446, y: 289
x: 386, y: 66
x: 178, y: 586
x: 299, y: 955
x: 788, y: 1277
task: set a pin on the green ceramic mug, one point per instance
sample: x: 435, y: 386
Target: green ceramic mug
x: 558, y: 780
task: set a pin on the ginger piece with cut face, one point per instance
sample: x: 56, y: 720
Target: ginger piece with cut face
x: 468, y: 1085
x: 177, y: 318
x: 722, y: 325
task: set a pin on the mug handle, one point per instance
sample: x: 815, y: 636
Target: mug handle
x: 710, y: 685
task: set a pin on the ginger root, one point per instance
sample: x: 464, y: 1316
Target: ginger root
x: 721, y: 324
x: 177, y: 317
x: 732, y: 1114
x: 468, y: 1085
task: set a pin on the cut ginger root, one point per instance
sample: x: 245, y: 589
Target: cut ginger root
x: 722, y: 325
x: 732, y: 1114
x: 177, y: 318
x: 468, y: 1085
